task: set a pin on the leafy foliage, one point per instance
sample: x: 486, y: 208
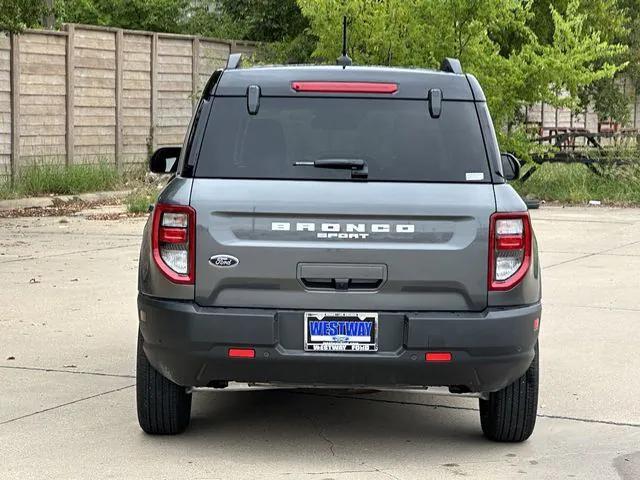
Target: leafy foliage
x: 157, y: 15
x: 493, y: 39
x: 259, y: 20
x: 574, y: 183
x: 266, y: 20
x: 563, y: 52
x: 46, y: 178
x: 616, y: 21
x: 16, y: 15
x: 138, y: 200
x: 279, y: 24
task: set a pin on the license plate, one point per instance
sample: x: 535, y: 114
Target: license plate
x: 341, y: 332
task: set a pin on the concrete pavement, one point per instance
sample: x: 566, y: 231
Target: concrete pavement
x: 67, y: 403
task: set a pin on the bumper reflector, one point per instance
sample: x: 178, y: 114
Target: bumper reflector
x: 437, y: 356
x: 242, y: 353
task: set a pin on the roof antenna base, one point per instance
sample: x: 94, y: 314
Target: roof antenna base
x: 344, y: 59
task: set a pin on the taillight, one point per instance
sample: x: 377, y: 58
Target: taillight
x: 173, y: 241
x: 510, y: 241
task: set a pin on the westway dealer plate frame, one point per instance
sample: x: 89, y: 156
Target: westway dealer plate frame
x: 337, y: 346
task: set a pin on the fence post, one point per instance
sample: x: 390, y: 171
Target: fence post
x: 15, y: 106
x: 195, y: 71
x: 70, y: 104
x: 154, y: 91
x: 119, y: 65
x: 635, y: 107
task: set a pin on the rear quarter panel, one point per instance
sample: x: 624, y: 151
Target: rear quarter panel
x: 528, y: 291
x: 151, y: 281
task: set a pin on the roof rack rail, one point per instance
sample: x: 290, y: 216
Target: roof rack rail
x: 234, y: 61
x: 451, y: 65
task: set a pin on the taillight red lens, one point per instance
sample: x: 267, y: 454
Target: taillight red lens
x: 173, y: 241
x: 510, y: 243
x: 173, y: 235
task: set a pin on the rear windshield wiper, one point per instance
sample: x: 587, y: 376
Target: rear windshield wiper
x: 357, y: 166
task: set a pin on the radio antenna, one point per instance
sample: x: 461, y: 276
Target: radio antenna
x: 344, y: 59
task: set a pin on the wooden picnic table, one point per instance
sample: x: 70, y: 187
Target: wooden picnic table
x: 569, y: 152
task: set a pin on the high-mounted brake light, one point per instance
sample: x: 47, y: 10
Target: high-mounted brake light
x: 510, y: 240
x: 345, y: 87
x: 173, y: 242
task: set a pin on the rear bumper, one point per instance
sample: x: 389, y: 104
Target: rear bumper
x: 189, y: 344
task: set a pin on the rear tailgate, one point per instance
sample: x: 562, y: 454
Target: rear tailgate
x: 342, y: 245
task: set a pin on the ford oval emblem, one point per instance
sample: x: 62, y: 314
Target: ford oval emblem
x: 224, y: 261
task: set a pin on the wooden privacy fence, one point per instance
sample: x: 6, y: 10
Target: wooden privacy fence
x: 89, y: 94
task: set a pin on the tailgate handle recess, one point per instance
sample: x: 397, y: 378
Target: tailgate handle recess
x: 342, y: 277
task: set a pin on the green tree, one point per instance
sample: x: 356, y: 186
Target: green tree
x: 606, y: 95
x: 278, y: 24
x: 617, y: 21
x: 16, y: 15
x: 209, y: 19
x: 493, y: 39
x: 155, y: 15
x: 266, y: 20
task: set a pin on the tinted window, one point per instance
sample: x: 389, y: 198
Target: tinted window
x: 398, y: 139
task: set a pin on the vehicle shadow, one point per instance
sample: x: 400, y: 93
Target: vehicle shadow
x: 294, y: 422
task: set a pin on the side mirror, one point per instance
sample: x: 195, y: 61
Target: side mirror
x: 510, y: 166
x: 165, y: 160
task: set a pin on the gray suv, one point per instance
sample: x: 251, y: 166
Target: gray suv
x: 340, y: 227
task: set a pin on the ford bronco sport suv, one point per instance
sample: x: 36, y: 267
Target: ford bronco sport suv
x: 340, y: 226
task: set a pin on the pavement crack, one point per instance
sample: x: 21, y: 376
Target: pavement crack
x: 589, y: 420
x: 322, y: 435
x: 597, y: 307
x: 66, y: 404
x: 379, y: 470
x: 573, y: 220
x: 607, y: 250
x: 330, y: 472
x: 451, y: 407
x: 65, y: 254
x: 75, y: 372
x: 82, y: 234
x: 388, y: 474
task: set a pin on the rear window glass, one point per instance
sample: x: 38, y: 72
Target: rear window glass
x: 398, y: 139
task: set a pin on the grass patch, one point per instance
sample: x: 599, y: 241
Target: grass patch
x: 6, y: 191
x: 139, y: 200
x: 577, y: 184
x: 61, y: 180
x: 47, y: 179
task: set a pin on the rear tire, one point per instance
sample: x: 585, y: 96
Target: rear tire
x: 164, y: 408
x: 509, y: 415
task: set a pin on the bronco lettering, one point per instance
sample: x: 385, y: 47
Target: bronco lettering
x: 342, y: 231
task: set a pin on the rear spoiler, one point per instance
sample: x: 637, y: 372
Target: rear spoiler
x: 234, y: 61
x: 456, y: 88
